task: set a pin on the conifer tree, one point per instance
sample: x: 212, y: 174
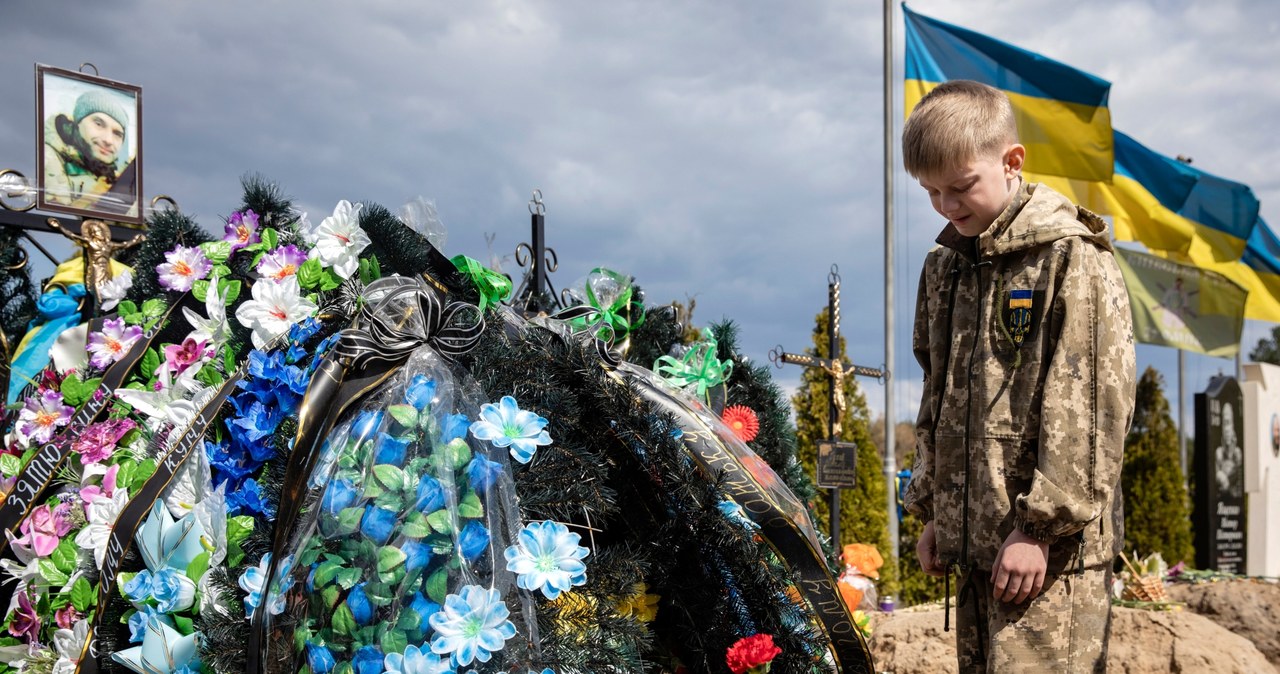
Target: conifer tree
x: 862, y: 508
x: 1157, y: 515
x: 916, y: 587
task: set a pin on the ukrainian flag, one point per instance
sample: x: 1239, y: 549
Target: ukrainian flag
x: 1062, y: 113
x: 1259, y: 272
x: 1167, y: 205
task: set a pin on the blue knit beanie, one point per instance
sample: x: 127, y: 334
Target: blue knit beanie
x: 99, y: 101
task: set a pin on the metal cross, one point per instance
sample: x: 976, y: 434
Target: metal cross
x: 535, y: 293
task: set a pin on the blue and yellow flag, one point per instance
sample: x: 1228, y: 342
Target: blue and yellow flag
x: 1259, y: 272
x: 1167, y: 205
x: 1062, y: 113
x: 1181, y: 305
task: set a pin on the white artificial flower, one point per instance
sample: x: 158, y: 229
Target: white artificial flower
x: 103, y: 513
x: 273, y: 309
x: 215, y: 328
x: 70, y: 645
x: 26, y: 570
x: 169, y: 403
x: 111, y: 292
x: 338, y: 240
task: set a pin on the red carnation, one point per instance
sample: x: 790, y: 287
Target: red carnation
x: 752, y: 654
x: 742, y: 420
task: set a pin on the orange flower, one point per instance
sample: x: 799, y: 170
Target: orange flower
x: 865, y: 558
x: 743, y: 421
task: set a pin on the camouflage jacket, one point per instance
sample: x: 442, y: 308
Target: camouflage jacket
x: 1026, y: 341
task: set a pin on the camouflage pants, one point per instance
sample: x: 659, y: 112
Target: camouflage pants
x: 1063, y: 630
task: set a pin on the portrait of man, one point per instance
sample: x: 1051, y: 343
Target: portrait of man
x: 90, y: 145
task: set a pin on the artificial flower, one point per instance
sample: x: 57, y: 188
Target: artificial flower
x: 179, y: 357
x: 340, y: 494
x: 472, y: 626
x: 112, y: 291
x: 391, y: 450
x: 424, y: 608
x: 320, y: 658
x: 416, y: 554
x: 338, y: 240
x: 213, y: 326
x: 44, y: 528
x: 640, y: 604
x: 69, y: 644
x: 242, y: 229
x: 281, y: 263
x: 473, y: 540
x: 90, y: 492
x: 141, y: 618
x: 163, y: 651
x: 112, y: 342
x: 735, y: 512
x: 863, y: 558
x: 172, y: 590
x: 742, y: 421
x: 98, y: 441
x: 417, y: 661
x: 483, y: 473
x: 67, y: 616
x: 274, y: 307
x: 367, y: 660
x: 378, y: 524
x: 506, y: 425
x: 752, y: 654
x: 25, y: 620
x: 102, y: 514
x: 420, y: 392
x: 359, y: 604
x: 547, y: 557
x: 164, y: 542
x: 430, y: 495
x: 182, y: 267
x: 42, y: 414
x: 253, y: 581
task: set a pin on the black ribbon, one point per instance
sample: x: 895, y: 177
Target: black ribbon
x: 122, y: 533
x: 794, y: 549
x: 383, y: 336
x: 604, y: 348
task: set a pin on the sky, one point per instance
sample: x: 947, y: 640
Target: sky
x: 728, y: 152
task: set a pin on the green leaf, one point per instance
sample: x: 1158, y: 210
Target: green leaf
x: 348, y: 577
x: 122, y: 580
x: 470, y: 506
x: 10, y: 465
x: 64, y: 556
x: 216, y: 251
x: 200, y: 289
x: 141, y: 473
x: 309, y: 274
x: 239, y: 528
x: 390, y: 558
x: 389, y: 477
x: 197, y: 568
x: 330, y: 595
x: 440, y: 521
x: 438, y: 586
x: 230, y: 291
x: 343, y: 622
x: 52, y: 574
x: 394, y: 641
x: 455, y: 455
x: 415, y: 526
x: 349, y: 520
x: 82, y: 595
x: 126, y: 307
x: 150, y: 361
x: 326, y: 572
x: 380, y: 593
x: 75, y: 392
x: 153, y: 308
x: 269, y: 238
x: 183, y: 624
x: 405, y: 415
x: 330, y: 280
x: 209, y: 376
x: 343, y: 668
x: 235, y: 554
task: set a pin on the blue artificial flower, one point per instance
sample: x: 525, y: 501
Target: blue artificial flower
x: 296, y: 380
x: 391, y: 450
x: 472, y: 626
x: 361, y: 607
x: 295, y: 353
x: 473, y: 540
x: 483, y: 473
x: 547, y: 557
x: 420, y: 392
x: 247, y: 499
x: 416, y: 555
x: 138, y: 589
x: 310, y: 583
x: 253, y: 431
x: 226, y: 464
x: 735, y: 513
x: 304, y: 329
x: 430, y: 495
x: 366, y: 424
x: 320, y: 659
x: 506, y: 425
x: 453, y: 426
x: 378, y: 524
x: 141, y: 618
x: 339, y: 494
x: 253, y: 581
x: 418, y: 661
x: 367, y: 660
x: 424, y: 608
x: 172, y: 590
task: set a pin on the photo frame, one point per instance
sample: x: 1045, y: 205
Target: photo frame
x: 88, y: 146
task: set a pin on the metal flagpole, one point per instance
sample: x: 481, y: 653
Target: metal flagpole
x: 890, y: 469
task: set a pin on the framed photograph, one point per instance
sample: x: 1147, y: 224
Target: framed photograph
x: 89, y: 146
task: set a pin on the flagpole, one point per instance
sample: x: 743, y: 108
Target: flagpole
x: 1182, y: 418
x: 890, y: 469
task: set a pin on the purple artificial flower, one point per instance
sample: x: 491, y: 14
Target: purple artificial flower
x: 179, y: 357
x: 242, y: 229
x: 108, y: 489
x: 182, y: 267
x: 67, y: 616
x: 281, y: 263
x: 110, y: 345
x: 44, y: 528
x: 42, y: 414
x: 99, y: 440
x: 25, y: 622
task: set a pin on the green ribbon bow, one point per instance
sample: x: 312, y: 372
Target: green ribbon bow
x: 614, y: 318
x: 698, y: 370
x: 494, y: 288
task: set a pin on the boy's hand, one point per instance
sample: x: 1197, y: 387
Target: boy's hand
x: 927, y: 551
x: 1020, y: 568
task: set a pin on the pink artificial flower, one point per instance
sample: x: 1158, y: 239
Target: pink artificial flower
x: 242, y: 229
x: 281, y: 263
x: 179, y: 357
x: 44, y: 528
x: 42, y: 414
x: 25, y: 622
x: 108, y: 488
x: 67, y: 616
x: 99, y: 440
x: 182, y: 267
x: 112, y: 343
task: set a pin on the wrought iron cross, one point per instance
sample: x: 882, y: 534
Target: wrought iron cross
x: 535, y: 293
x: 836, y: 369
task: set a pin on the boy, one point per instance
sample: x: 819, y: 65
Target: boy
x: 1023, y: 330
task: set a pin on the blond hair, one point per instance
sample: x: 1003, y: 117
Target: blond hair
x: 958, y: 121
